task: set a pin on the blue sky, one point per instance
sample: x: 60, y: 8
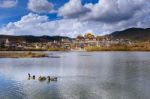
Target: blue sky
x: 15, y: 13
x: 71, y: 17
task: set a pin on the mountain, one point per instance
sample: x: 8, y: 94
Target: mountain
x: 31, y: 39
x: 135, y: 34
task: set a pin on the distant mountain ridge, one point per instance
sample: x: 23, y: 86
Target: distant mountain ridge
x: 32, y: 39
x: 135, y: 34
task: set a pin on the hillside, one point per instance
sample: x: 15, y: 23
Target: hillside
x: 135, y: 34
x: 32, y: 39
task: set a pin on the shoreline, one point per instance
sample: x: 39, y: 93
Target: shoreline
x: 77, y: 51
x: 42, y: 54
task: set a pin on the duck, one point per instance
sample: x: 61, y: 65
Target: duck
x: 53, y: 79
x: 29, y: 75
x: 33, y: 76
x: 49, y: 78
x: 42, y: 78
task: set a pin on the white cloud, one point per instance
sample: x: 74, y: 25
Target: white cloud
x: 115, y: 10
x: 40, y: 6
x: 72, y: 9
x: 105, y: 10
x: 34, y: 24
x: 8, y: 3
x: 104, y: 17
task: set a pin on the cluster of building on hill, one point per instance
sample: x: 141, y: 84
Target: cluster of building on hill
x: 89, y: 40
x: 78, y: 43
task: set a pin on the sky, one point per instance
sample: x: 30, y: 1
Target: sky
x: 72, y: 17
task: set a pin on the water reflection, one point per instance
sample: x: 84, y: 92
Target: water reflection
x: 10, y: 89
x: 81, y: 75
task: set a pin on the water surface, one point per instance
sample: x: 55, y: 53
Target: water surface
x: 81, y: 75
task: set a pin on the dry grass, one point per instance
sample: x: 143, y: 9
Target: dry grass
x: 22, y: 55
x: 135, y: 47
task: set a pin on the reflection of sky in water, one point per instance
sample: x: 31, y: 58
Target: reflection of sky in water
x: 9, y: 89
x: 103, y: 75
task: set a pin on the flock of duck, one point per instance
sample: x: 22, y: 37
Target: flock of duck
x: 42, y: 78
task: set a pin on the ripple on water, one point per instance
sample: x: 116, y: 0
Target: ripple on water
x: 10, y: 89
x: 105, y: 75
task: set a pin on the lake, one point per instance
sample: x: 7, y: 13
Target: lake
x: 81, y: 75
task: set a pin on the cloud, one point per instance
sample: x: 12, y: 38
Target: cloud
x: 8, y: 3
x: 115, y: 10
x: 104, y: 17
x: 104, y: 11
x: 40, y: 6
x: 72, y: 9
x: 27, y: 25
x: 34, y: 24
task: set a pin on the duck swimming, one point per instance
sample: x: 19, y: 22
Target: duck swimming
x: 49, y: 78
x: 42, y: 78
x: 33, y: 76
x: 53, y: 79
x: 29, y: 75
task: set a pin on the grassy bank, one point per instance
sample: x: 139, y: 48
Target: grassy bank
x: 33, y: 49
x: 21, y: 49
x: 118, y: 48
x: 22, y: 55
